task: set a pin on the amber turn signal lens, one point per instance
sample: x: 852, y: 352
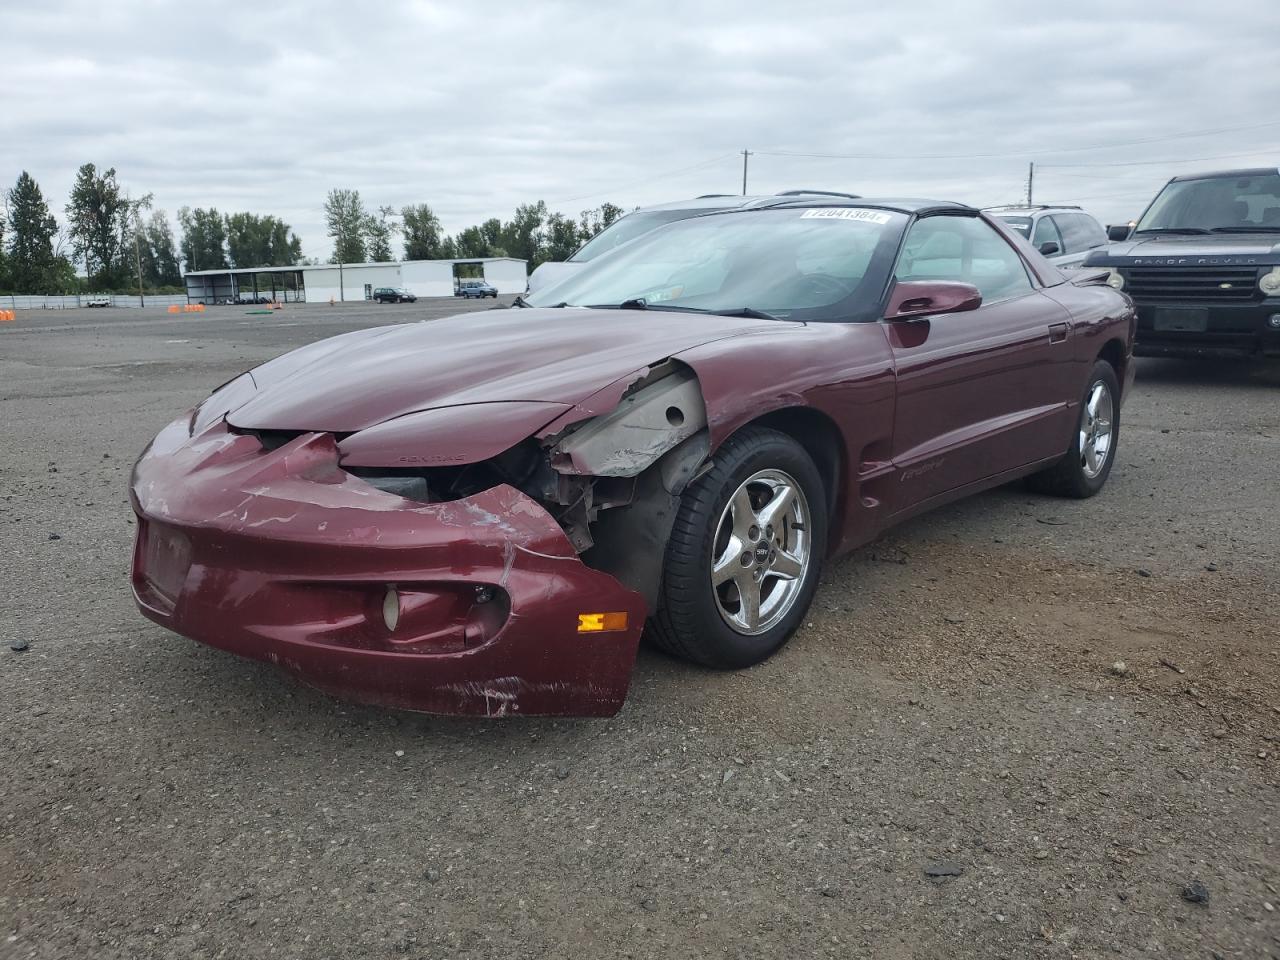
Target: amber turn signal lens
x: 601, y: 622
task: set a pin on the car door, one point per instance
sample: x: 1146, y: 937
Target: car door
x: 983, y: 392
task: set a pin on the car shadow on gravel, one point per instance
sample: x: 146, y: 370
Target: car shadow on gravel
x: 1255, y: 373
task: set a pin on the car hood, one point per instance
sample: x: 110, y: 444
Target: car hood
x: 1219, y: 249
x: 561, y: 356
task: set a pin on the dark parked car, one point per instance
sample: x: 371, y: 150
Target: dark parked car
x: 637, y: 224
x: 477, y: 289
x: 1064, y: 235
x: 1203, y: 265
x: 393, y: 295
x: 481, y: 514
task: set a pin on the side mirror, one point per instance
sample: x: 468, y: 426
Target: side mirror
x: 1049, y: 248
x: 923, y: 298
x: 1119, y: 232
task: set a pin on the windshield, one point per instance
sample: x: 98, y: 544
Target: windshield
x: 820, y: 263
x: 627, y: 229
x: 1021, y: 224
x: 1223, y: 204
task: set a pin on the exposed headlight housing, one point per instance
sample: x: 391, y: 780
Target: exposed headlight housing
x: 1269, y: 283
x: 1115, y: 280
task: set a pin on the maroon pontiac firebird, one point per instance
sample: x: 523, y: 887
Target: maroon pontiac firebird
x: 482, y: 514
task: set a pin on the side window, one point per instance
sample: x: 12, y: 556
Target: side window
x: 1046, y: 232
x: 1090, y: 230
x: 966, y: 250
x: 1074, y: 232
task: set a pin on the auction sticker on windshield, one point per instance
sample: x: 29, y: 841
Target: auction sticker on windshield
x: 846, y: 213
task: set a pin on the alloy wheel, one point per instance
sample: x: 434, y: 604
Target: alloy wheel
x: 761, y: 552
x: 1095, y: 430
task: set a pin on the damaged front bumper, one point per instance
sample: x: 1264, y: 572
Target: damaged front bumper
x: 473, y: 606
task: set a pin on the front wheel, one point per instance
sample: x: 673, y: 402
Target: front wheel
x: 1087, y: 463
x: 745, y: 552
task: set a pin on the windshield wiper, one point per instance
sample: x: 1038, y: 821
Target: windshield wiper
x: 640, y: 303
x: 1186, y: 231
x: 521, y: 302
x: 1258, y: 229
x: 750, y: 312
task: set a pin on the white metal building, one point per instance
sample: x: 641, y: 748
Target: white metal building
x: 351, y: 281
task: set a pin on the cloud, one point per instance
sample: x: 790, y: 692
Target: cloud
x: 477, y: 108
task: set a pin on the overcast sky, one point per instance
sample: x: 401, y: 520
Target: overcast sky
x: 476, y: 107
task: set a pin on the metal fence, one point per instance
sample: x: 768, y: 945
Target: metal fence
x: 38, y: 302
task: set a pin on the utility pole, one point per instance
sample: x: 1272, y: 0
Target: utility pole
x: 137, y: 254
x: 745, y: 154
x: 1031, y: 180
x: 342, y: 289
x: 136, y: 207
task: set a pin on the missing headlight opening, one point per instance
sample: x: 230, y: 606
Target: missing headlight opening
x: 611, y: 482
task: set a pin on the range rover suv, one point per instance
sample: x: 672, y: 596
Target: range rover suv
x: 1203, y: 265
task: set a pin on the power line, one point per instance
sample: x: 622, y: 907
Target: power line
x: 1026, y: 153
x: 637, y: 183
x: 1155, y: 163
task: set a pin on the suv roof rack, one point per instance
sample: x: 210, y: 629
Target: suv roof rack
x: 1035, y: 206
x: 818, y: 193
x: 713, y: 196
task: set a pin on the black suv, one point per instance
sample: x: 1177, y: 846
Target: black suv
x: 393, y: 295
x: 1203, y: 265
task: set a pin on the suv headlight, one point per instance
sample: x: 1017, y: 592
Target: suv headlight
x: 1115, y: 280
x: 1269, y: 283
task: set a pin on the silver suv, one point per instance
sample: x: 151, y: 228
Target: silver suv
x: 1064, y: 235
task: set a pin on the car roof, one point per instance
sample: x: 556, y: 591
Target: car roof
x: 709, y: 202
x: 1029, y: 210
x: 900, y: 204
x: 1228, y: 174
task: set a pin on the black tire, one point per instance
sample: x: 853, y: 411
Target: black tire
x: 689, y: 622
x: 1071, y: 476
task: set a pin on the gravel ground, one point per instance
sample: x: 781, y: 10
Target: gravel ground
x: 1069, y: 710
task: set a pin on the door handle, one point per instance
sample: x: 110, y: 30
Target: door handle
x: 1058, y: 332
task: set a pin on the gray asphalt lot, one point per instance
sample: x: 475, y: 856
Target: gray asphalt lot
x: 1070, y: 708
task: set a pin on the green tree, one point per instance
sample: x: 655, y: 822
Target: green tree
x: 163, y: 252
x: 97, y: 216
x: 470, y: 243
x: 380, y: 229
x: 523, y: 236
x: 135, y: 252
x: 4, y: 261
x: 261, y: 241
x: 30, y: 260
x: 204, y: 238
x: 562, y: 238
x: 423, y: 236
x: 491, y: 232
x: 348, y: 224
x: 593, y: 221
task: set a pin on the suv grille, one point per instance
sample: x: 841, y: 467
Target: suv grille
x: 1172, y: 284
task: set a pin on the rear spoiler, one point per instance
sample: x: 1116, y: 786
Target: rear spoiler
x: 1087, y: 276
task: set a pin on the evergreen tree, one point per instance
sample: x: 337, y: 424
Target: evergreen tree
x: 30, y: 260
